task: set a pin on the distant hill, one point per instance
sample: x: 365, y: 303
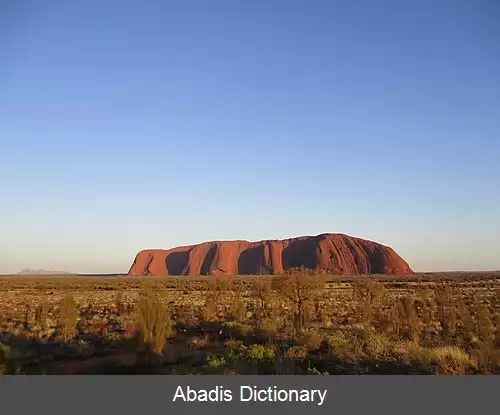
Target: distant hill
x: 29, y: 271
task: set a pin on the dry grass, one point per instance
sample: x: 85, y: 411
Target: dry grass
x: 451, y: 360
x: 309, y: 324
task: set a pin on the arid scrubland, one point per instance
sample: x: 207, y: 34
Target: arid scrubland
x: 295, y: 323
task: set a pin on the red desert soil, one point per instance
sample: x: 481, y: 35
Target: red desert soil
x: 334, y: 253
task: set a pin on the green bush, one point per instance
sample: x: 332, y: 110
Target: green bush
x: 214, y: 361
x: 338, y: 343
x: 260, y: 352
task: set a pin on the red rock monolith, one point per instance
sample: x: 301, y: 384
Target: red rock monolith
x: 332, y: 253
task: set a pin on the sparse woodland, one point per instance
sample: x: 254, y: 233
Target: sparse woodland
x: 299, y: 322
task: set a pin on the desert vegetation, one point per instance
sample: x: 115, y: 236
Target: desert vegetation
x: 299, y: 322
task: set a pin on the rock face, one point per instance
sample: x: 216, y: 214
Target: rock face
x: 334, y: 253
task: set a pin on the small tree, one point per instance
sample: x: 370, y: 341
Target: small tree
x: 449, y: 324
x: 218, y: 289
x: 120, y: 306
x: 446, y: 312
x: 444, y: 299
x: 414, y: 325
x: 497, y: 330
x: 487, y: 355
x: 467, y: 327
x: 428, y: 316
x: 369, y: 294
x: 68, y: 317
x: 396, y: 314
x: 298, y: 286
x: 154, y: 320
x: 27, y: 313
x: 237, y: 304
x: 486, y: 328
x: 261, y: 291
x: 238, y: 307
x: 41, y: 315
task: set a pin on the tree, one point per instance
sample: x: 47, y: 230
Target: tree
x: 154, y: 320
x: 298, y: 286
x: 368, y: 293
x: 218, y: 290
x: 68, y: 317
x: 261, y: 290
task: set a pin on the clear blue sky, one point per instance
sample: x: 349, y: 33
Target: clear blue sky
x: 127, y: 125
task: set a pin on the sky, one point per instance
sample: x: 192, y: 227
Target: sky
x: 127, y: 125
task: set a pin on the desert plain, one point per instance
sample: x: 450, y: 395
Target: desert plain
x: 299, y: 322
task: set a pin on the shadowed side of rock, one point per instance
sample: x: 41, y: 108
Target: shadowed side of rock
x: 334, y: 253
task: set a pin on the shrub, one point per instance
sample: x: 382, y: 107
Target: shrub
x: 369, y: 295
x: 4, y: 353
x: 260, y: 352
x: 413, y: 324
x: 486, y: 328
x: 214, y: 361
x: 218, y: 288
x: 486, y: 354
x: 210, y: 308
x: 68, y: 317
x: 378, y: 346
x: 466, y: 328
x: 27, y: 313
x: 5, y: 364
x: 233, y: 344
x: 451, y: 360
x: 497, y: 330
x: 297, y: 352
x: 154, y: 320
x: 41, y: 315
x: 449, y: 324
x: 396, y: 314
x: 311, y: 339
x: 234, y: 352
x: 338, y: 343
x: 261, y: 290
x: 120, y: 306
x: 238, y: 307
